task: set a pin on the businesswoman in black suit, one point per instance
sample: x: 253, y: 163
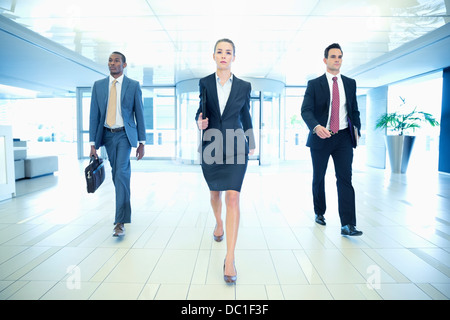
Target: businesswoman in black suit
x: 224, y: 117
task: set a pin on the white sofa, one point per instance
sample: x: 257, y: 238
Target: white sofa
x: 41, y: 165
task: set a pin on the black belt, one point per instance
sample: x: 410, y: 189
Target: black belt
x: 115, y: 129
x: 333, y: 133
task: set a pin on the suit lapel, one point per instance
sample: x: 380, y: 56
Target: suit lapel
x: 325, y: 88
x: 212, y: 89
x: 125, y: 84
x: 105, y: 89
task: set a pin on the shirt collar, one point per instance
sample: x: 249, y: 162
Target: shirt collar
x: 330, y: 76
x: 119, y: 79
x: 218, y: 79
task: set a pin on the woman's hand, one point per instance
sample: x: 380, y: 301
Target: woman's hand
x: 202, y: 123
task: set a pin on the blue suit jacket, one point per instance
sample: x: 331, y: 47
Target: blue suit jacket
x: 316, y: 107
x: 236, y: 114
x: 131, y: 106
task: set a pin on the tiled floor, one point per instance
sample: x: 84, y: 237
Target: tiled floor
x: 56, y: 243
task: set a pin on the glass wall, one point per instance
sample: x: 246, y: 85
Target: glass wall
x: 188, y: 133
x: 270, y: 128
x: 160, y: 122
x: 295, y: 128
x: 83, y: 107
x: 49, y: 125
x: 255, y: 112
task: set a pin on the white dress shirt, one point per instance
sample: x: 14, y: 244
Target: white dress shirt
x: 342, y: 101
x: 223, y: 92
x: 119, y: 119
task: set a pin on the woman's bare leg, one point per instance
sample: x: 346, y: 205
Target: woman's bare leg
x: 216, y: 204
x: 232, y: 227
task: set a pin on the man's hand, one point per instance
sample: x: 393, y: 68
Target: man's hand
x: 93, y: 153
x: 322, y: 132
x: 140, y: 151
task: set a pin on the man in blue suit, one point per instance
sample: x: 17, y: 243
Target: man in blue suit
x: 329, y: 137
x: 117, y: 122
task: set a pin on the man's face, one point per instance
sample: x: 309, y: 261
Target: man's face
x: 116, y: 65
x: 334, y: 61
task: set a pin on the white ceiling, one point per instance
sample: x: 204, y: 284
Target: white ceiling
x: 167, y: 41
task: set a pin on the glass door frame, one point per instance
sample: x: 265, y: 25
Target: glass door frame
x: 81, y: 131
x: 256, y: 119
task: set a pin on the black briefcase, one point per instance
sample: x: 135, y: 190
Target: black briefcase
x: 95, y: 174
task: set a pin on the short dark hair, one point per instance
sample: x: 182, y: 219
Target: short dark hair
x: 122, y: 55
x: 225, y: 40
x: 332, y: 46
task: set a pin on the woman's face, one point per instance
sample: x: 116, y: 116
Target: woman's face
x: 224, y: 55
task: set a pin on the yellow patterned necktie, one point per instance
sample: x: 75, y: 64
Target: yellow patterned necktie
x: 112, y: 106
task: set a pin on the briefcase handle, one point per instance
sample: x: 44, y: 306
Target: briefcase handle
x: 98, y: 160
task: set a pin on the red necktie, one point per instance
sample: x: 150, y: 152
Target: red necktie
x: 334, y: 120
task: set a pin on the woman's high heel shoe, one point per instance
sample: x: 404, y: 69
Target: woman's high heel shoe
x: 229, y: 279
x: 217, y: 238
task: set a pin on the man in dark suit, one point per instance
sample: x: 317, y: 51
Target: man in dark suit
x: 330, y: 110
x: 117, y: 122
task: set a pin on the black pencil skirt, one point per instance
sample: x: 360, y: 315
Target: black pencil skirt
x: 228, y: 175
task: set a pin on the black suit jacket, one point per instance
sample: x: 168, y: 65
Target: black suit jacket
x: 236, y: 114
x: 316, y: 107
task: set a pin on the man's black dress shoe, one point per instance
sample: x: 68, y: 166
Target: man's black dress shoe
x: 350, y: 230
x: 320, y: 219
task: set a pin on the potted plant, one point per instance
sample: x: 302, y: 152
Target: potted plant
x: 402, y: 124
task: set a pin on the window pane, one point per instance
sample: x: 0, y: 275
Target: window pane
x: 159, y: 114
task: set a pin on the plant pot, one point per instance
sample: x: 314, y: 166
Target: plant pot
x: 399, y: 150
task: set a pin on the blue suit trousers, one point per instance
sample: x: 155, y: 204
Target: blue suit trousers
x: 118, y: 149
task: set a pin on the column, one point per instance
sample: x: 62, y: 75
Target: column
x: 377, y: 99
x: 444, y: 137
